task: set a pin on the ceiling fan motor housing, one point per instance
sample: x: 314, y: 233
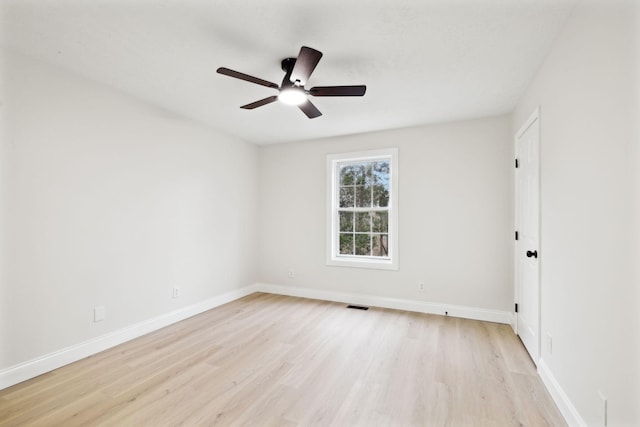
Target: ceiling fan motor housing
x: 287, y: 64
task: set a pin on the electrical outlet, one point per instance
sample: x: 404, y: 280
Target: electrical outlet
x: 291, y: 273
x: 99, y: 314
x: 421, y: 286
x: 176, y: 292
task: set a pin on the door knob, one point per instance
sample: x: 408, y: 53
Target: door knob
x: 532, y: 254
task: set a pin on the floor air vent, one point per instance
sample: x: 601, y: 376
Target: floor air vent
x: 358, y: 307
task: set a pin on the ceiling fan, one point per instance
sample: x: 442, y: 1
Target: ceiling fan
x: 291, y: 90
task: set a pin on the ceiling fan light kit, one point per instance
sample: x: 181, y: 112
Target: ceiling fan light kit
x: 291, y: 90
x: 292, y: 96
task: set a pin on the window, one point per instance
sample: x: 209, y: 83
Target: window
x: 362, y: 217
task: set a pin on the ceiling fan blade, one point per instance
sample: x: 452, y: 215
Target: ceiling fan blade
x: 246, y: 77
x: 357, y: 90
x: 260, y: 103
x: 306, y: 62
x: 309, y: 109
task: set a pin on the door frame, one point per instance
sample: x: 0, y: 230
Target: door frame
x: 533, y: 118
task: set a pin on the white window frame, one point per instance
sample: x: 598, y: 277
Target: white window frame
x: 333, y: 257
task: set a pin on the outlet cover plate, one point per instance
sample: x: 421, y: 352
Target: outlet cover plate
x: 99, y: 314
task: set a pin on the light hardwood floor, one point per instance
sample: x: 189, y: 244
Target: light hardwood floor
x: 282, y: 361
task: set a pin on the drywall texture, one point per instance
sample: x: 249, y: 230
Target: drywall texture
x: 111, y: 202
x: 589, y: 281
x: 4, y: 320
x: 455, y: 215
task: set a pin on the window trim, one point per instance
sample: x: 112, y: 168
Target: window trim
x: 333, y: 259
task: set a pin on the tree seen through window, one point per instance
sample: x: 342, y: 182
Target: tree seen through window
x: 363, y: 208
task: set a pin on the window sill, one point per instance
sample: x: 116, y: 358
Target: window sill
x: 373, y: 264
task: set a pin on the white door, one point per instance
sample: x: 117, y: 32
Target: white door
x: 527, y: 256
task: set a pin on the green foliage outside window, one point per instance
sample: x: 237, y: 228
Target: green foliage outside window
x: 363, y: 208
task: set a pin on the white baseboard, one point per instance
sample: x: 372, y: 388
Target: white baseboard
x: 30, y: 369
x: 497, y: 316
x: 33, y: 368
x: 569, y: 412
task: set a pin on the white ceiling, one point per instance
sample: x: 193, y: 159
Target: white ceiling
x: 423, y: 61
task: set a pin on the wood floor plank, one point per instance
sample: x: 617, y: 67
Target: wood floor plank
x: 270, y: 360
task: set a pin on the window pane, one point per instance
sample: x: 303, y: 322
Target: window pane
x: 380, y: 173
x: 363, y: 244
x: 363, y: 196
x: 346, y: 244
x: 380, y: 196
x: 363, y: 222
x: 368, y: 173
x: 346, y: 221
x: 348, y: 174
x: 380, y: 245
x: 347, y: 196
x: 380, y: 222
x: 364, y: 170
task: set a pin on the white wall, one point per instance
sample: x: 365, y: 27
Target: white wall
x: 455, y: 215
x: 113, y: 202
x: 4, y: 321
x: 635, y: 118
x: 589, y: 194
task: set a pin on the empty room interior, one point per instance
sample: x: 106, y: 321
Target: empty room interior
x: 443, y: 229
